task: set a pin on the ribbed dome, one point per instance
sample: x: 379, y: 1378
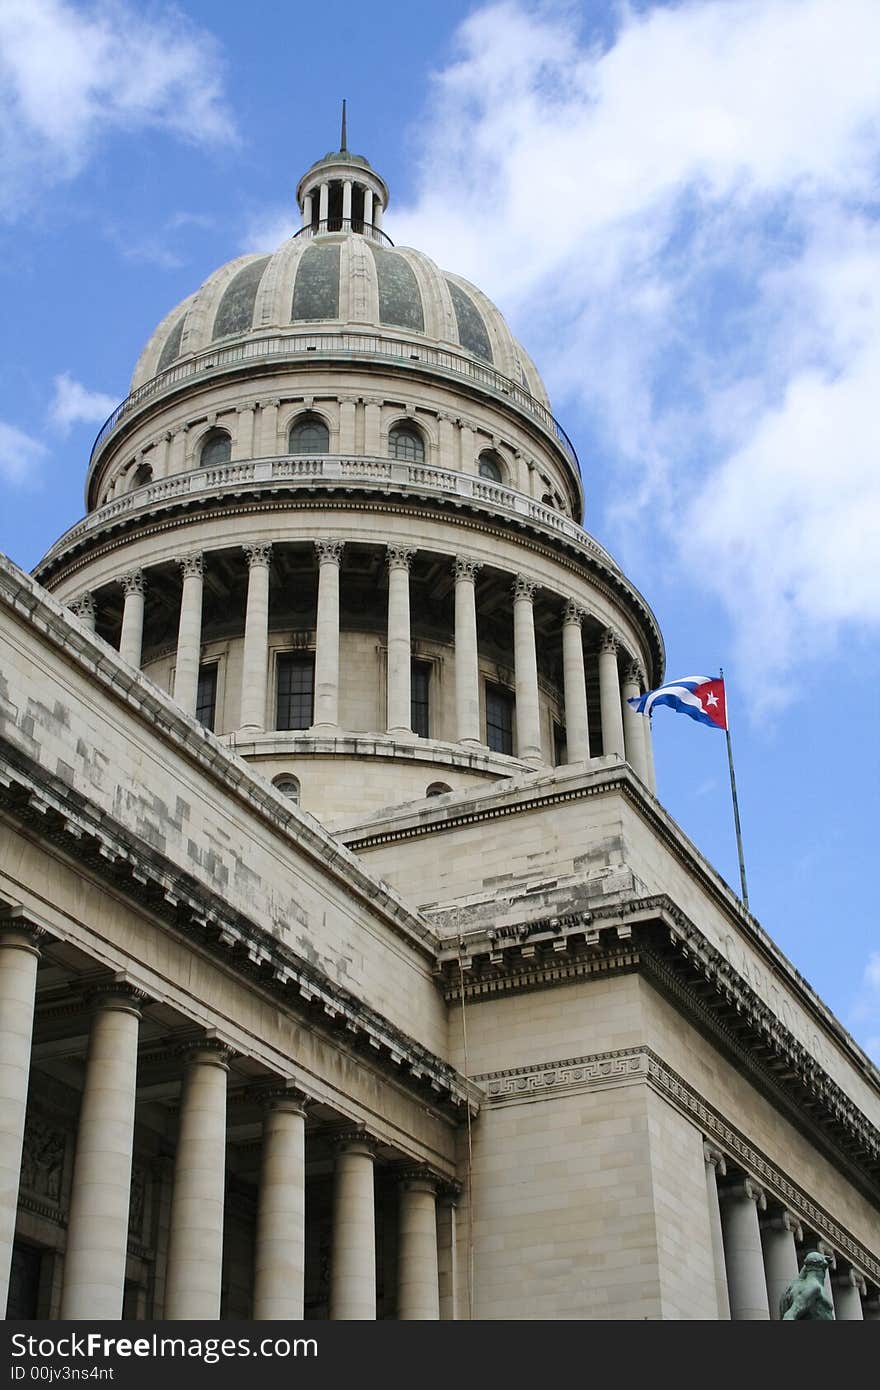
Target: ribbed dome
x: 339, y: 281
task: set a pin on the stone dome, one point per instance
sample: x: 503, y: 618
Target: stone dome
x: 340, y: 281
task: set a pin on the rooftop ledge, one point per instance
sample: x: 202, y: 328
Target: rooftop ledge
x: 335, y: 345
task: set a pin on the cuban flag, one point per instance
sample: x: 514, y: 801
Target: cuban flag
x: 702, y: 697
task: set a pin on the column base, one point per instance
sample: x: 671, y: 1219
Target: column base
x: 247, y: 730
x: 324, y: 730
x: 404, y: 735
x: 472, y: 743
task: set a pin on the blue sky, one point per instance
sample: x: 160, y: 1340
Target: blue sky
x: 675, y: 205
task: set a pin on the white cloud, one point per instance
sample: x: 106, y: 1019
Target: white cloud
x: 866, y: 1013
x: 70, y: 74
x: 266, y: 230
x: 72, y: 404
x: 688, y: 244
x: 20, y: 455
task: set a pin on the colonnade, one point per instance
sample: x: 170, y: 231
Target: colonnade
x: 758, y: 1247
x: 98, y: 1222
x: 372, y: 205
x: 625, y: 734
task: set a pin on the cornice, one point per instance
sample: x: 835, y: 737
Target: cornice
x: 156, y: 885
x: 641, y: 1065
x: 653, y: 936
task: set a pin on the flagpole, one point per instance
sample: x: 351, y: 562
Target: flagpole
x: 739, y: 841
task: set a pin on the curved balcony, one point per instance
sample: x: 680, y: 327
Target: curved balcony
x: 413, y: 354
x: 308, y: 471
x: 345, y: 224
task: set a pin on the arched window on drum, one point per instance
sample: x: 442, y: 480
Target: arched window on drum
x: 309, y: 435
x: 216, y: 449
x: 406, y: 443
x: 489, y: 466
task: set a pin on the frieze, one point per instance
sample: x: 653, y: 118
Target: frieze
x: 42, y: 1159
x: 591, y: 1072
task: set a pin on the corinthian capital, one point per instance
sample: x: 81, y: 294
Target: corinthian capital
x: 329, y: 551
x: 84, y: 607
x: 573, y: 613
x: 257, y: 555
x: 192, y: 565
x: 133, y: 582
x: 633, y: 673
x: 399, y: 557
x: 608, y: 642
x: 523, y: 588
x: 465, y: 568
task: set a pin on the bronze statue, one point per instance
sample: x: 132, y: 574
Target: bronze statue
x: 805, y: 1296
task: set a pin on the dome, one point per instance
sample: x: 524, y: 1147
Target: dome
x: 342, y: 281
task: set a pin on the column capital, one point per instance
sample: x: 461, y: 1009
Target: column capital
x: 355, y: 1140
x: 716, y: 1158
x: 418, y: 1177
x: 466, y: 568
x: 608, y: 642
x: 117, y: 995
x: 257, y: 555
x: 329, y: 551
x: 209, y: 1052
x: 18, y: 930
x: 523, y: 588
x: 826, y: 1250
x: 280, y: 1097
x: 784, y: 1221
x: 850, y: 1279
x: 573, y: 613
x: 133, y: 582
x: 399, y: 557
x: 192, y: 565
x: 633, y: 673
x: 84, y: 606
x: 746, y: 1190
x: 243, y: 409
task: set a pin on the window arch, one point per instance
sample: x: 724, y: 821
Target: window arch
x: 142, y: 475
x: 309, y: 435
x: 405, y: 442
x: 288, y: 786
x: 438, y: 788
x: 489, y: 466
x: 216, y: 448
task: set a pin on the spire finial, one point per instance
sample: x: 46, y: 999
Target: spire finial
x: 343, y: 143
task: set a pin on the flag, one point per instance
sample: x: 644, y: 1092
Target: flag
x: 702, y: 697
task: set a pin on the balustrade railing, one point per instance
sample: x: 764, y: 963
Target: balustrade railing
x: 336, y: 345
x: 329, y: 468
x: 345, y: 224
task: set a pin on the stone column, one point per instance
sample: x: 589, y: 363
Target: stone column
x: 255, y: 658
x: 447, y: 1253
x: 279, y: 1252
x: 189, y: 633
x: 323, y: 203
x: 648, y: 731
x: 716, y: 1167
x: 372, y: 428
x: 609, y: 698
x: 195, y: 1253
x: 162, y: 452
x: 346, y: 205
x: 347, y: 410
x: 97, y: 1227
x: 307, y: 210
x: 327, y: 638
x: 399, y: 645
x: 577, y: 725
x: 467, y: 449
x: 377, y: 213
x: 446, y: 442
x: 243, y: 443
x: 467, y: 663
x: 779, y: 1235
x: 746, y: 1283
x: 368, y: 207
x: 177, y: 450
x: 418, y: 1276
x: 525, y: 661
x: 633, y: 730
x: 19, y: 957
x: 353, y: 1253
x: 86, y: 610
x: 132, y: 635
x: 848, y: 1288
x: 269, y: 428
